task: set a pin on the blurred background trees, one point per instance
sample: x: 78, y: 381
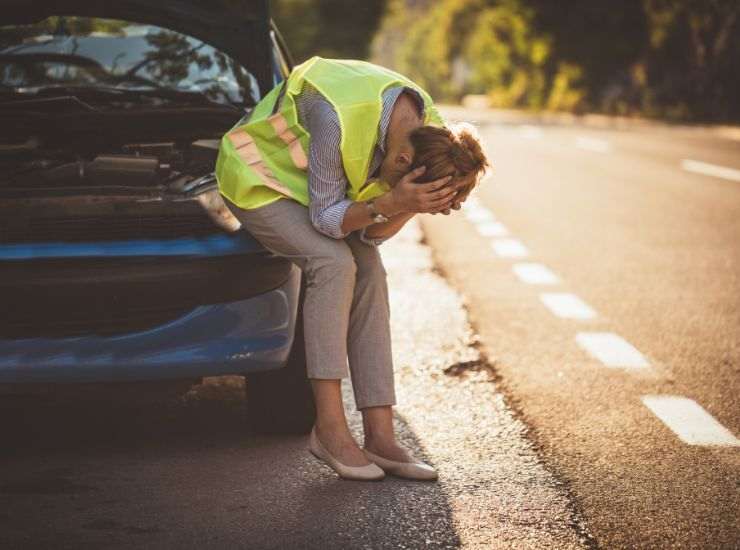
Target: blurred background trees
x: 329, y: 28
x: 674, y: 59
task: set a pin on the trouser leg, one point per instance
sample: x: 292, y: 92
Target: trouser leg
x: 346, y: 311
x: 328, y: 265
x: 369, y: 335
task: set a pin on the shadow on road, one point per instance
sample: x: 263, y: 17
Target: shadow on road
x: 83, y: 469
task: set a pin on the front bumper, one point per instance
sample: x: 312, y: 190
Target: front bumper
x: 236, y: 337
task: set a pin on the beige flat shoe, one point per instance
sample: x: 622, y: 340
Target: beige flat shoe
x: 369, y: 472
x: 411, y: 470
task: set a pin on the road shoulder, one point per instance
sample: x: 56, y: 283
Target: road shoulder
x: 499, y: 490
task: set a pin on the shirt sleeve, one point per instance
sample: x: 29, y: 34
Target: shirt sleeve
x: 327, y: 182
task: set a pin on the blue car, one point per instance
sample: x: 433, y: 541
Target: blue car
x: 118, y: 259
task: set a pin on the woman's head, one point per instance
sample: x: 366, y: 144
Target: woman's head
x: 452, y: 150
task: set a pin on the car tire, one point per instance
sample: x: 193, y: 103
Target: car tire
x: 281, y: 401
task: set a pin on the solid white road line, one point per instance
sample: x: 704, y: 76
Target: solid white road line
x: 491, y: 229
x: 611, y: 349
x: 689, y: 421
x: 707, y: 169
x: 535, y: 274
x: 564, y: 304
x: 592, y: 144
x: 509, y: 248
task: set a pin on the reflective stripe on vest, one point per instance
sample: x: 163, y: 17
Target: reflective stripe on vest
x: 266, y: 155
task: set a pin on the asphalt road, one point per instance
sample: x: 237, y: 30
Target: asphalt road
x: 113, y: 469
x: 539, y: 442
x: 621, y: 347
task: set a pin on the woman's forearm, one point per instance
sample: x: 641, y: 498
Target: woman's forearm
x: 358, y: 215
x: 389, y: 228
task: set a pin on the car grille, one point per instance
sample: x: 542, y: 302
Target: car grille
x: 104, y: 228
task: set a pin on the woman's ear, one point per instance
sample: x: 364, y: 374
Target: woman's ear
x: 404, y: 158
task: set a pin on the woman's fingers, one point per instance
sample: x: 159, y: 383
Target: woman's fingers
x: 448, y: 192
x: 438, y: 205
x: 444, y: 197
x: 441, y: 199
x: 411, y: 176
x: 431, y: 186
x: 441, y: 195
x: 466, y: 191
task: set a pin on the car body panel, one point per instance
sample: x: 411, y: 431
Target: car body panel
x: 232, y: 338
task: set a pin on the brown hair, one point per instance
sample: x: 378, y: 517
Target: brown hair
x: 451, y: 150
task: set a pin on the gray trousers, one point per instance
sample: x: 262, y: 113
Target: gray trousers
x: 346, y: 312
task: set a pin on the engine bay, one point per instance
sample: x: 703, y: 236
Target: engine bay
x: 137, y: 190
x: 136, y: 168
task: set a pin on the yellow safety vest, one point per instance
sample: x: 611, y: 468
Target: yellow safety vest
x: 264, y: 159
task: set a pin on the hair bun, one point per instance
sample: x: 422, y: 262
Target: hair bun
x: 448, y: 150
x: 469, y: 139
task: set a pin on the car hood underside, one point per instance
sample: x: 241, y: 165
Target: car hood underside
x: 241, y: 32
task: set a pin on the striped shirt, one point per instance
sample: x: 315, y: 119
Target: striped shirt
x: 327, y: 181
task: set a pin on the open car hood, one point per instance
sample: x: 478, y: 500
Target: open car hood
x: 240, y: 29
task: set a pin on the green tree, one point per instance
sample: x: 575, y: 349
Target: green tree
x: 507, y: 59
x: 675, y: 59
x: 329, y: 28
x: 457, y: 47
x: 692, y: 65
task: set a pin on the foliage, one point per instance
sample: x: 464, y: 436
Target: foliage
x: 507, y: 60
x: 460, y: 47
x: 329, y: 28
x: 677, y: 59
x: 693, y: 63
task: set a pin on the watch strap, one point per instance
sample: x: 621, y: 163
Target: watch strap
x: 377, y: 216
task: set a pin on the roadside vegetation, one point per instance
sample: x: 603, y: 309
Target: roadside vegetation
x: 672, y: 59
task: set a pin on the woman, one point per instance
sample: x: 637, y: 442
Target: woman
x: 330, y: 164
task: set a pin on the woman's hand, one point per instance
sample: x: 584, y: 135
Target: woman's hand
x: 463, y: 187
x: 422, y: 197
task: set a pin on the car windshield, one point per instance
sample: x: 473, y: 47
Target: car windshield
x: 82, y: 52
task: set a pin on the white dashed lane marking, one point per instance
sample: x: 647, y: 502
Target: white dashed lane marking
x: 530, y: 132
x: 707, y: 169
x: 535, y: 274
x: 689, y: 421
x: 491, y: 229
x: 564, y: 304
x: 592, y: 144
x: 684, y: 416
x: 478, y: 214
x: 509, y: 248
x: 612, y: 350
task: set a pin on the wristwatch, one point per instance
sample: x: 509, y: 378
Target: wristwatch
x: 376, y: 216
